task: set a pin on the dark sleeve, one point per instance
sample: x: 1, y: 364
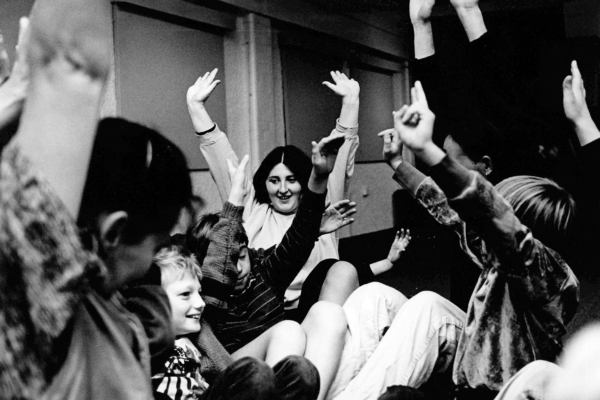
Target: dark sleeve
x: 483, y: 209
x: 219, y: 268
x: 214, y: 356
x: 590, y: 158
x: 409, y: 177
x: 426, y: 70
x: 151, y: 305
x: 493, y: 82
x: 283, y: 262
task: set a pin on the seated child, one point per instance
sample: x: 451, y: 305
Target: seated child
x: 182, y: 375
x: 244, y: 288
x: 65, y: 333
x: 526, y: 293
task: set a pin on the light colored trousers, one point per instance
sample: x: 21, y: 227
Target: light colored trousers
x: 422, y: 338
x: 533, y: 382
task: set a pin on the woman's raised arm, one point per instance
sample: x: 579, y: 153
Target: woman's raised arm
x: 347, y: 124
x: 214, y: 145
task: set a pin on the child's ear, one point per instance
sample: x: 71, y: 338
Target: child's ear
x: 112, y: 228
x: 486, y: 163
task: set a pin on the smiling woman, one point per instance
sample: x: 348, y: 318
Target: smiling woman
x: 281, y: 178
x: 279, y: 183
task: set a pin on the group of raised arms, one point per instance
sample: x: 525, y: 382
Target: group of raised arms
x: 99, y: 301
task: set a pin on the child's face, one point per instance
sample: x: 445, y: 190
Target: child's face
x: 243, y: 267
x: 186, y: 303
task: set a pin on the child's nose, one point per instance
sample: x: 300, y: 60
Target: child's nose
x: 283, y: 187
x: 198, y: 302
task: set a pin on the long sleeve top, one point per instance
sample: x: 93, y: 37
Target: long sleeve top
x: 526, y: 293
x: 238, y: 319
x: 264, y: 226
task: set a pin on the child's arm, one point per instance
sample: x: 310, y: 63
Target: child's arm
x: 398, y: 246
x: 214, y: 145
x: 347, y: 124
x: 219, y: 267
x: 282, y: 263
x: 69, y: 64
x: 420, y: 14
x: 422, y: 188
x: 481, y: 207
x: 44, y: 269
x: 576, y: 109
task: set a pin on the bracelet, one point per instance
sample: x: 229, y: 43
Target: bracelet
x: 207, y: 131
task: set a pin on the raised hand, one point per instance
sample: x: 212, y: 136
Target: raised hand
x: 240, y: 184
x: 399, y: 245
x: 343, y: 86
x: 574, y: 103
x: 576, y: 108
x: 420, y: 11
x: 414, y: 123
x: 196, y: 96
x: 337, y: 215
x: 325, y: 152
x: 392, y: 147
x: 199, y: 92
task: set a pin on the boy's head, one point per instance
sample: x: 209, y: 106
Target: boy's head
x: 541, y: 205
x: 474, y: 143
x: 198, y: 239
x: 180, y: 278
x: 136, y: 185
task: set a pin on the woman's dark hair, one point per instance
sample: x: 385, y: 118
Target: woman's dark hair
x: 135, y: 169
x: 197, y: 236
x: 293, y: 158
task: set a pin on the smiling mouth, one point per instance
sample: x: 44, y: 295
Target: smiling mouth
x: 284, y: 198
x: 195, y: 316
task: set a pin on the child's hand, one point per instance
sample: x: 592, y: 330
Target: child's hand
x: 347, y: 88
x: 200, y: 91
x: 325, y: 152
x: 399, y: 245
x: 574, y: 104
x: 392, y: 147
x: 420, y: 11
x: 414, y: 123
x: 239, y: 181
x: 337, y: 215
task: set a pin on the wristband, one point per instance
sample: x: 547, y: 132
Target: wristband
x: 207, y: 131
